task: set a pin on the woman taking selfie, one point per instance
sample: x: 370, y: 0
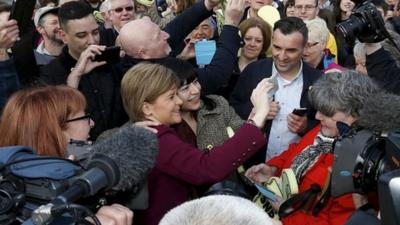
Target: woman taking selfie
x: 149, y: 92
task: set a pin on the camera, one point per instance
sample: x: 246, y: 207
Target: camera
x: 366, y: 161
x: 365, y: 23
x: 29, y: 182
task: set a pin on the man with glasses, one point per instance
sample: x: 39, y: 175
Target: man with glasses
x: 308, y: 10
x: 99, y: 82
x: 120, y: 13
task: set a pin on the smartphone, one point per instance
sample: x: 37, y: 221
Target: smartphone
x: 22, y: 11
x: 110, y: 55
x: 300, y: 111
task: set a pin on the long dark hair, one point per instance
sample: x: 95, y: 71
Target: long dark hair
x: 186, y: 74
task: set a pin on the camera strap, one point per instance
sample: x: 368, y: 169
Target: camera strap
x: 314, y: 198
x: 304, y: 199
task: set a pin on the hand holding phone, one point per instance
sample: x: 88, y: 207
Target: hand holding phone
x: 109, y: 54
x: 300, y: 111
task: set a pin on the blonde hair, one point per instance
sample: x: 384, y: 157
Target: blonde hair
x: 317, y: 29
x: 142, y: 83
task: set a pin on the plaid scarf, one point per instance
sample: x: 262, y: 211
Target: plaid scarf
x: 310, y: 155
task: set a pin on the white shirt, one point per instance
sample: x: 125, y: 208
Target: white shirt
x: 42, y: 50
x: 288, y: 96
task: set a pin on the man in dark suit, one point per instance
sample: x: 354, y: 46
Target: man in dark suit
x: 293, y: 78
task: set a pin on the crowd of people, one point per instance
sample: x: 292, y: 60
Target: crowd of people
x: 233, y: 120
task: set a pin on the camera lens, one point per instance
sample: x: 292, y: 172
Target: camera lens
x: 351, y: 28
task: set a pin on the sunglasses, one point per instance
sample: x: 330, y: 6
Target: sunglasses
x: 85, y: 117
x: 120, y: 9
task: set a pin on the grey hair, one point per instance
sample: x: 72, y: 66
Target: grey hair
x: 111, y: 4
x: 217, y: 210
x: 317, y: 29
x: 341, y: 92
x: 105, y: 6
x: 359, y: 51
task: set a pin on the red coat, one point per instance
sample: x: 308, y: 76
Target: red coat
x: 180, y: 166
x: 337, y: 210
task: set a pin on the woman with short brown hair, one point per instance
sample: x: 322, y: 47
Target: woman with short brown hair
x: 45, y: 119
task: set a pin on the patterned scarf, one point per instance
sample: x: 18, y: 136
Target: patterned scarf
x: 310, y: 155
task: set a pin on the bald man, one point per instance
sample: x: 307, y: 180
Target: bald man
x: 143, y: 40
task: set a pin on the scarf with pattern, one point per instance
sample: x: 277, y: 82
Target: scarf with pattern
x: 310, y: 155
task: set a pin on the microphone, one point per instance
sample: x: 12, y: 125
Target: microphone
x: 119, y: 162
x: 273, y: 79
x: 133, y: 149
x: 380, y: 113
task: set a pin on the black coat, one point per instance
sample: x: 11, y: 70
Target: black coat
x: 101, y: 88
x: 383, y: 69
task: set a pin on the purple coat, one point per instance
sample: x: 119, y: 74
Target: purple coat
x: 180, y: 166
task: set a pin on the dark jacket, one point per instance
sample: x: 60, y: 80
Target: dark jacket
x: 218, y: 72
x: 9, y: 82
x: 383, y: 69
x: 248, y: 80
x: 180, y: 166
x: 101, y: 88
x: 181, y: 26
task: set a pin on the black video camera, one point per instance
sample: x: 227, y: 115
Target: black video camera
x: 365, y: 23
x: 28, y: 181
x: 366, y: 161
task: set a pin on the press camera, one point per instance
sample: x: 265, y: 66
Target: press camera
x: 366, y: 161
x: 365, y: 23
x: 28, y: 181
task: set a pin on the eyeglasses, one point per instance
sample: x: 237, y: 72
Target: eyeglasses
x: 120, y: 9
x: 85, y: 117
x: 310, y: 45
x: 306, y: 7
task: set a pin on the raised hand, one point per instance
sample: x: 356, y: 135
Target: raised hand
x: 260, y: 102
x: 234, y: 12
